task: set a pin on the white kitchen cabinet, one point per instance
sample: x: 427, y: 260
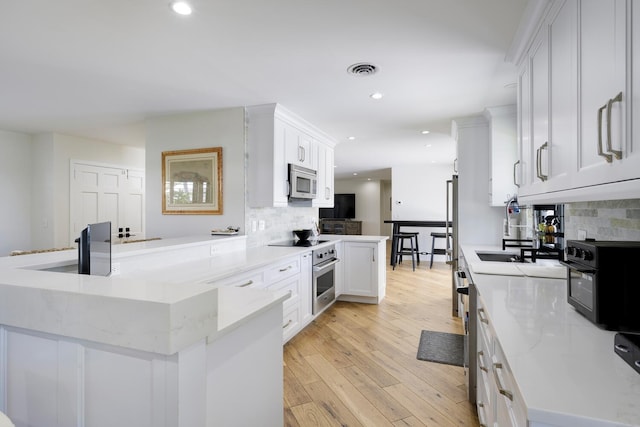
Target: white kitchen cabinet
x: 300, y: 149
x: 504, y: 153
x: 277, y: 137
x: 364, y: 272
x: 498, y: 401
x: 585, y: 82
x: 324, y: 198
x: 603, y: 74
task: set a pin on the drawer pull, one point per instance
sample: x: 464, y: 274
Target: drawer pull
x: 622, y: 348
x: 481, y: 419
x: 506, y: 393
x: 482, y: 317
x: 250, y: 282
x: 282, y: 270
x: 481, y: 360
x: 287, y: 324
x: 637, y: 363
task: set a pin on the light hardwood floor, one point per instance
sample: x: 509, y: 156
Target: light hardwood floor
x: 356, y: 364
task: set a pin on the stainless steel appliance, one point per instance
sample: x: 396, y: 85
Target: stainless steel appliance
x: 602, y: 282
x: 324, y: 277
x: 303, y: 182
x: 452, y: 232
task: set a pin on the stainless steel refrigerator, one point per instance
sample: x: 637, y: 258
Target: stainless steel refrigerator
x: 452, y: 235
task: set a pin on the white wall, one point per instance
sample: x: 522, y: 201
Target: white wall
x: 217, y: 128
x: 66, y: 148
x: 15, y: 175
x: 367, y: 202
x: 420, y: 193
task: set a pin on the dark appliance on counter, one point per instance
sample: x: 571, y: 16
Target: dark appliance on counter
x: 324, y: 262
x: 627, y: 346
x: 303, y: 183
x: 94, y: 249
x: 297, y: 242
x: 602, y: 282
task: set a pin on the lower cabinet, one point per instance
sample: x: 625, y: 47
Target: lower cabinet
x: 498, y: 401
x: 293, y: 275
x: 364, y: 274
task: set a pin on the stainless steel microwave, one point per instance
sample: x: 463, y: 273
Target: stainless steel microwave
x: 303, y: 182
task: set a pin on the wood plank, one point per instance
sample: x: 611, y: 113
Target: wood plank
x: 356, y: 365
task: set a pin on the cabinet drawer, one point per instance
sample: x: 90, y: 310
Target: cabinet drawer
x: 510, y: 408
x: 291, y: 284
x: 251, y: 279
x: 283, y: 270
x: 290, y: 322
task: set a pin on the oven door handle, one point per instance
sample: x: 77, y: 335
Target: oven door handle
x: 324, y: 265
x: 575, y: 266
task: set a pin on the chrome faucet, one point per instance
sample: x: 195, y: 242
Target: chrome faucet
x: 508, y: 209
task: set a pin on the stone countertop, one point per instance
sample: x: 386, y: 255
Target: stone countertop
x: 157, y: 310
x: 564, y: 366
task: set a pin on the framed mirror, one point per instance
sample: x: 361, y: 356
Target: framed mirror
x: 192, y: 182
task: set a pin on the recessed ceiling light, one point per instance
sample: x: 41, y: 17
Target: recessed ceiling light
x: 351, y: 138
x: 355, y: 174
x: 376, y: 95
x: 424, y: 132
x: 428, y: 145
x: 181, y: 8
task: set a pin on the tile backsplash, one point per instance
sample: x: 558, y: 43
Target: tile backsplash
x: 604, y: 220
x: 279, y: 223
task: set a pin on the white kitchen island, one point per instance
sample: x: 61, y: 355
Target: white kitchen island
x: 541, y: 363
x: 142, y: 349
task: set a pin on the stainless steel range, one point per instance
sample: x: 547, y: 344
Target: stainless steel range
x: 324, y: 277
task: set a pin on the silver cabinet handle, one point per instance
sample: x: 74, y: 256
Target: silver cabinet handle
x: 282, y: 270
x: 483, y: 318
x: 481, y: 361
x: 287, y: 324
x: 506, y: 393
x: 244, y: 285
x: 607, y: 156
x: 539, y: 161
x: 481, y: 419
x: 622, y: 348
x: 515, y: 181
x: 455, y: 165
x: 617, y: 153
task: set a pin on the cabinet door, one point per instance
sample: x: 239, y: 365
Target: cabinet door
x: 563, y: 95
x: 300, y: 147
x: 540, y: 110
x: 324, y: 197
x: 525, y: 167
x: 360, y: 274
x: 602, y: 70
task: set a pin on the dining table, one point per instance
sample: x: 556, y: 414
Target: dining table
x: 398, y: 224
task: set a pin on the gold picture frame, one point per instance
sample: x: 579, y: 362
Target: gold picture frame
x: 192, y: 182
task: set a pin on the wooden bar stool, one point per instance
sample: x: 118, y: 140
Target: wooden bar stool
x: 412, y: 249
x: 438, y: 251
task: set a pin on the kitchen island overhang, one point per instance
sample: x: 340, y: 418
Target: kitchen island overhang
x: 135, y: 351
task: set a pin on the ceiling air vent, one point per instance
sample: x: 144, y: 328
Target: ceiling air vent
x: 362, y: 69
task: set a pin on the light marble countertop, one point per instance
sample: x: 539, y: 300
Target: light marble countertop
x: 154, y: 309
x: 565, y: 367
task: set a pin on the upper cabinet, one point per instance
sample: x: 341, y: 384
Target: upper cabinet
x: 574, y: 101
x: 275, y: 138
x: 504, y: 153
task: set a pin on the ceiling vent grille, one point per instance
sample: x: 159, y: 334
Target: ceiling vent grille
x: 362, y: 69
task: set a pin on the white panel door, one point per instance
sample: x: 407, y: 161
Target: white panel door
x: 104, y: 193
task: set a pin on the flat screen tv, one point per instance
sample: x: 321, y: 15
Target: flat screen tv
x: 94, y: 249
x: 344, y: 207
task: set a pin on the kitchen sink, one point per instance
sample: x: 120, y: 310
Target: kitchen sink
x: 499, y: 257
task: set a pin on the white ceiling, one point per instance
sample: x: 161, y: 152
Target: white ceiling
x: 97, y: 68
